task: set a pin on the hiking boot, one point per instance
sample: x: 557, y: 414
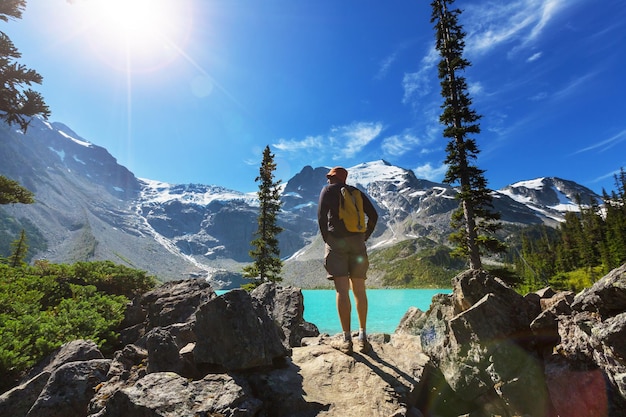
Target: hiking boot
x: 343, y: 346
x: 364, y: 345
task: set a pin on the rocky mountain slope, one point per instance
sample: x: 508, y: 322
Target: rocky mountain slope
x: 88, y: 207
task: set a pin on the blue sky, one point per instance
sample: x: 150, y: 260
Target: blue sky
x: 191, y: 91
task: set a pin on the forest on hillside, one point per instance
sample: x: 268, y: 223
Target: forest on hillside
x: 585, y: 247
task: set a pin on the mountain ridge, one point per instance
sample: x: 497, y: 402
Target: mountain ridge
x: 89, y: 207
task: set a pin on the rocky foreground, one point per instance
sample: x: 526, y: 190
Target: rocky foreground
x: 483, y: 350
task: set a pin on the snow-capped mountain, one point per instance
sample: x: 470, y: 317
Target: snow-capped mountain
x: 550, y: 197
x: 88, y: 207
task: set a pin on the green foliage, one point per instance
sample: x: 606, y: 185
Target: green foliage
x: 46, y: 305
x: 417, y: 263
x: 12, y: 192
x: 475, y: 221
x: 18, y: 103
x: 251, y: 286
x: 20, y: 249
x: 266, y: 254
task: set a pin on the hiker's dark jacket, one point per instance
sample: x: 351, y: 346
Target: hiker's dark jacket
x: 328, y: 213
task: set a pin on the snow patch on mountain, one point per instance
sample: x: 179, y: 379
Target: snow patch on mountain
x: 366, y: 173
x: 78, y: 141
x: 61, y: 153
x: 541, y: 193
x: 162, y: 192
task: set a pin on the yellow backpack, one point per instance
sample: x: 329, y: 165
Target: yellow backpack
x: 351, y: 209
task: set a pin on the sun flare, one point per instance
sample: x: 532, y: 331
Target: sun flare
x: 142, y: 34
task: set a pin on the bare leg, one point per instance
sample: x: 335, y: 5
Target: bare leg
x: 342, y: 286
x: 360, y: 298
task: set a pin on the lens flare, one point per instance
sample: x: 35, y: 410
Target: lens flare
x: 138, y: 35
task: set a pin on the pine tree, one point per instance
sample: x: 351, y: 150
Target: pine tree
x: 20, y: 249
x: 12, y: 192
x: 615, y: 219
x: 266, y: 254
x: 18, y: 103
x: 474, y: 221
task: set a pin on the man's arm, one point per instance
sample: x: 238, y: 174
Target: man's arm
x: 322, y: 215
x: 372, y: 216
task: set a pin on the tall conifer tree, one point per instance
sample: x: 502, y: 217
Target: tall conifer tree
x: 474, y: 221
x: 20, y: 250
x: 266, y: 254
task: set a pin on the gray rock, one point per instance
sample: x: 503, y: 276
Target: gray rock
x: 235, y: 334
x: 163, y: 353
x: 17, y: 401
x: 326, y: 382
x: 576, y: 390
x: 76, y: 350
x: 171, y: 303
x: 286, y: 306
x: 606, y: 297
x: 412, y: 322
x: 472, y: 285
x: 478, y: 337
x: 589, y: 344
x: 168, y: 394
x: 70, y: 388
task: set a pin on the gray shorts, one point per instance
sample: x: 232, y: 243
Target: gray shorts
x: 346, y: 257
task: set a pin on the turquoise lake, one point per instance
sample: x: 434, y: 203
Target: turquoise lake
x: 386, y: 307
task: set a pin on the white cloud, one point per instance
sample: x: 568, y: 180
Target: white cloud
x: 539, y: 96
x: 534, y: 57
x: 431, y: 173
x: 308, y: 143
x: 398, y: 145
x: 385, y: 65
x: 475, y: 88
x: 605, y: 144
x: 574, y: 85
x: 352, y: 138
x: 611, y: 174
x: 419, y: 83
x: 341, y: 142
x: 490, y: 24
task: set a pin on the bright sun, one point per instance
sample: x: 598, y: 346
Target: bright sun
x: 138, y: 35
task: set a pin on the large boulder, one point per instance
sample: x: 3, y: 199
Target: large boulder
x: 607, y: 297
x: 234, y: 333
x: 547, y: 353
x: 76, y: 350
x: 172, y: 303
x: 593, y: 337
x: 285, y: 305
x: 168, y: 394
x: 477, y: 336
x: 19, y: 400
x: 70, y: 388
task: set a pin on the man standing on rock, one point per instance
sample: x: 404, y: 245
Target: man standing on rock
x: 345, y: 257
